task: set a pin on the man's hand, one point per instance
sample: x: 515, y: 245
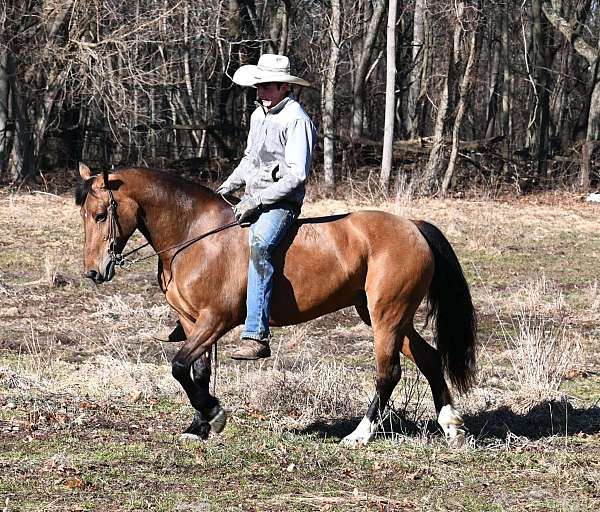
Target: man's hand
x: 223, y: 190
x: 245, y: 210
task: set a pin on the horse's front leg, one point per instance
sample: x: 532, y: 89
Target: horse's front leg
x: 201, y: 371
x: 191, y: 368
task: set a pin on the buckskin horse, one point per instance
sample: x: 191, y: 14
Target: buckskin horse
x: 381, y: 264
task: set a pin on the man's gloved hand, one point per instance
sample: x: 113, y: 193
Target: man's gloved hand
x: 223, y: 190
x: 245, y: 210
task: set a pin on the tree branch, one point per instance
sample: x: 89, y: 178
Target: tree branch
x: 567, y: 29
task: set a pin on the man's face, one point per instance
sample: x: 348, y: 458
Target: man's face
x: 271, y: 93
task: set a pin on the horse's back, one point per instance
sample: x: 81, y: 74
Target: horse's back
x: 329, y: 262
x: 364, y: 233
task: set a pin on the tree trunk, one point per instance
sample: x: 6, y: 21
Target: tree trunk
x: 362, y: 69
x: 284, y: 38
x: 537, y: 136
x: 494, y: 90
x: 507, y: 80
x: 4, y: 108
x: 55, y: 82
x: 416, y: 74
x: 437, y: 161
x: 557, y: 108
x: 329, y: 96
x: 465, y: 86
x: 593, y: 129
x: 187, y: 74
x: 390, y: 97
x: 593, y: 126
x: 20, y: 163
x: 592, y: 55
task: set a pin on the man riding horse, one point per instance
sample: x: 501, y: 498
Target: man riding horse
x: 381, y: 264
x: 274, y: 171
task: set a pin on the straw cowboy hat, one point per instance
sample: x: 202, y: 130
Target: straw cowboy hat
x: 270, y: 68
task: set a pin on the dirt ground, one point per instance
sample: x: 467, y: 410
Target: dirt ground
x: 90, y: 415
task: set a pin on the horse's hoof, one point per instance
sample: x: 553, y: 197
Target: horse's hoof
x: 458, y: 439
x: 218, y: 422
x: 450, y: 420
x: 362, y: 435
x: 199, y: 429
x: 354, y: 441
x: 188, y: 437
x: 351, y: 443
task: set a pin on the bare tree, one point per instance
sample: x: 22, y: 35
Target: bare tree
x: 417, y: 86
x: 538, y: 61
x: 437, y: 158
x: 362, y: 68
x: 4, y: 108
x: 329, y: 95
x: 552, y: 11
x: 464, y: 89
x: 390, y: 97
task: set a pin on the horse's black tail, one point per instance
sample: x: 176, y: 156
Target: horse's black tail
x: 450, y: 304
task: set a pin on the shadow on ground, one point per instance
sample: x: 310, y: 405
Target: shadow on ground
x: 545, y: 419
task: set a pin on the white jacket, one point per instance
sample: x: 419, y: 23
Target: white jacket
x: 278, y: 155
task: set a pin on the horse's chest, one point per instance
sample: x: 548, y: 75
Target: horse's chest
x: 173, y: 295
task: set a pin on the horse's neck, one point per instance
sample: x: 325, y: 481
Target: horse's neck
x: 172, y: 215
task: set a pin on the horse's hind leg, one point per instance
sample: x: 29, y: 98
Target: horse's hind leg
x: 201, y: 371
x: 429, y: 363
x: 389, y: 371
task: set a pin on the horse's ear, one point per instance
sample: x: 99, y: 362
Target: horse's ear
x: 104, y: 178
x: 84, y: 171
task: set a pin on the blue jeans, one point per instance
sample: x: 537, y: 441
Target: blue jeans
x: 265, y: 235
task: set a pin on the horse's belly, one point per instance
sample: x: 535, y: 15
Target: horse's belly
x: 294, y: 303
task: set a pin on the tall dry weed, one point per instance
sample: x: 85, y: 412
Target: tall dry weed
x: 315, y: 390
x: 592, y: 297
x: 539, y: 348
x: 52, y: 267
x: 37, y: 359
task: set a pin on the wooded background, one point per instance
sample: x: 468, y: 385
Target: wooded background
x: 483, y: 91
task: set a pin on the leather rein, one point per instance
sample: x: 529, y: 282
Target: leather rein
x: 123, y: 260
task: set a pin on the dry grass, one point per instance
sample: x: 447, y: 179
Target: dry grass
x: 298, y: 396
x: 592, y: 299
x: 540, y: 350
x: 82, y: 357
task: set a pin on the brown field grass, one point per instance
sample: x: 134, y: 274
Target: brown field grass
x: 89, y: 413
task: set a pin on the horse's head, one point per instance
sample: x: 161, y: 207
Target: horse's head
x: 109, y: 219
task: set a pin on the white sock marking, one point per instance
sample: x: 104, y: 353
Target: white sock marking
x: 362, y: 434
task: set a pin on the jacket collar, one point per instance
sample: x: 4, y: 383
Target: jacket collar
x: 277, y: 108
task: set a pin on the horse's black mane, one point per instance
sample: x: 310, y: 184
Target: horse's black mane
x: 84, y: 187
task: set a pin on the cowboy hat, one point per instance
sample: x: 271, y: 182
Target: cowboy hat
x: 270, y: 68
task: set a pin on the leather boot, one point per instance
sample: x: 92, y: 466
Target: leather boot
x: 251, y: 349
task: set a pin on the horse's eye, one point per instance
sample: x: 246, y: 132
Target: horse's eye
x: 100, y: 217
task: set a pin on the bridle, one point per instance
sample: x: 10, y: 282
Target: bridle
x: 113, y: 226
x: 123, y: 260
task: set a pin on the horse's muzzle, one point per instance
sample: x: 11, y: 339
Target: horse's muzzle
x: 102, y: 277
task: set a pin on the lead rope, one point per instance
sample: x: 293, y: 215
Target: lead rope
x: 122, y: 261
x: 214, y: 390
x: 216, y: 361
